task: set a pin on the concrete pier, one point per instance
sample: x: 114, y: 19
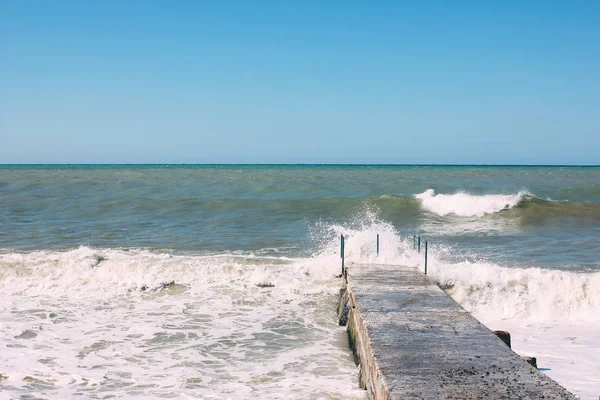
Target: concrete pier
x: 414, y: 342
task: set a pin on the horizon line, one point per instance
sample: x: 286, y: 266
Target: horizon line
x: 303, y: 164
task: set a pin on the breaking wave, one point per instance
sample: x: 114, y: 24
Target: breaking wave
x: 491, y: 291
x: 468, y: 205
x: 482, y: 287
x: 86, y: 272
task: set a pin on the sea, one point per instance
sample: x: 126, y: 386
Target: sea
x: 221, y: 281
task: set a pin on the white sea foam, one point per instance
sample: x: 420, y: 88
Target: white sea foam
x: 91, y: 273
x: 531, y: 294
x: 468, y: 205
x: 95, y: 322
x: 86, y: 325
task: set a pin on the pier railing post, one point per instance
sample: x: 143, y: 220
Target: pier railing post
x: 342, y: 252
x: 378, y: 244
x: 419, y: 244
x: 414, y: 242
x: 426, y: 257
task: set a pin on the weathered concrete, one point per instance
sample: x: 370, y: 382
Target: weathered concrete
x: 414, y: 342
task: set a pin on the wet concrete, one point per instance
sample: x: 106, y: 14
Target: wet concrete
x: 414, y: 342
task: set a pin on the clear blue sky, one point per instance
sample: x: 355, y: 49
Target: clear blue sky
x: 300, y: 82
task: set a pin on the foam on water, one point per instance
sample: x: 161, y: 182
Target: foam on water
x: 96, y: 322
x: 467, y: 205
x: 86, y: 272
x: 531, y: 294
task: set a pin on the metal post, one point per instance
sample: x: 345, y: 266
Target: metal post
x: 414, y: 242
x: 378, y: 244
x: 342, y: 253
x: 426, y: 257
x: 419, y: 244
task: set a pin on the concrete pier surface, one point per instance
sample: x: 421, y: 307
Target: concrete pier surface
x: 414, y: 342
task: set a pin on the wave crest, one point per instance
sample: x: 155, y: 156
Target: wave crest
x: 467, y: 205
x: 105, y: 273
x: 534, y: 294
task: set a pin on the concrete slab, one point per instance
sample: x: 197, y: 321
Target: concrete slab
x: 414, y: 342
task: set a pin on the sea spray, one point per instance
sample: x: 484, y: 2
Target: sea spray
x: 360, y: 234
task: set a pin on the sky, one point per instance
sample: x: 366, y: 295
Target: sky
x: 456, y: 82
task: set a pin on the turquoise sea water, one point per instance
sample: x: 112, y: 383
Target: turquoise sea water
x: 253, y: 251
x: 216, y: 208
